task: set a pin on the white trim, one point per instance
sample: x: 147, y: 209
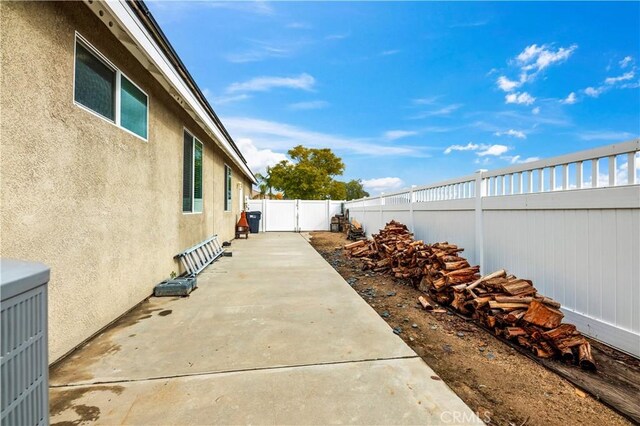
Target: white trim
x: 117, y: 87
x: 129, y: 23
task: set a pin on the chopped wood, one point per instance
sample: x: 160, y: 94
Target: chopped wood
x: 542, y: 315
x: 426, y: 303
x: 351, y: 246
x: 507, y: 305
x: 585, y: 358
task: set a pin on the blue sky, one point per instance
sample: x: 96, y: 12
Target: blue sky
x: 414, y: 92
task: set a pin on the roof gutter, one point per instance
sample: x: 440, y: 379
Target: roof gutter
x: 138, y: 22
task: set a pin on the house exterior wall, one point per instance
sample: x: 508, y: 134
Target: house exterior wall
x: 100, y: 206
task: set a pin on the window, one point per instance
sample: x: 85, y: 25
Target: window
x: 227, y: 188
x: 103, y: 89
x: 192, y: 175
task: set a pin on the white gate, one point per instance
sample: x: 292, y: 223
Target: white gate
x: 295, y: 215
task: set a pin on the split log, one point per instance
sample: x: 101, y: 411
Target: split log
x: 351, y: 246
x: 498, y: 305
x: 585, y: 358
x: 496, y: 274
x: 426, y: 303
x: 542, y: 315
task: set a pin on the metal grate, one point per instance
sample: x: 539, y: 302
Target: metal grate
x: 24, y: 358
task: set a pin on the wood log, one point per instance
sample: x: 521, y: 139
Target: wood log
x: 495, y: 274
x: 511, y: 332
x: 426, y: 302
x: 585, y: 359
x: 519, y: 288
x: 542, y: 315
x: 513, y: 299
x: 514, y: 316
x: 351, y: 246
x: 479, y: 302
x: 567, y: 355
x: 498, y: 305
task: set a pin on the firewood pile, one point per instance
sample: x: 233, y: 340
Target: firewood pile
x: 356, y: 231
x: 509, y: 306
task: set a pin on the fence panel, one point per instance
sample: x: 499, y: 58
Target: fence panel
x: 295, y: 215
x: 571, y: 224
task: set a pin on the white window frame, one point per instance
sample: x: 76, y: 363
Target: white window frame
x: 193, y: 171
x: 119, y: 74
x: 228, y: 194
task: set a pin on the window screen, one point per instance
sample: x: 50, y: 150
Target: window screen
x: 227, y: 188
x: 94, y: 83
x: 197, y: 177
x: 187, y: 174
x: 133, y: 108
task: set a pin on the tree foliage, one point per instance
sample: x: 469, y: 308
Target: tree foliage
x: 310, y: 175
x: 354, y: 190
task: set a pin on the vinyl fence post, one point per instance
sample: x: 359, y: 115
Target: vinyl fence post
x: 263, y: 221
x: 381, y: 211
x: 328, y: 215
x: 479, y: 193
x: 411, y: 201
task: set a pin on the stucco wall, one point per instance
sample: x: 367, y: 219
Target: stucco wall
x: 98, y: 205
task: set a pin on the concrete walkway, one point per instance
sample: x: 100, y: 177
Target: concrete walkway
x: 273, y: 335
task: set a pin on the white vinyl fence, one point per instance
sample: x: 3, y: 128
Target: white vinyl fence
x: 295, y: 215
x: 571, y: 224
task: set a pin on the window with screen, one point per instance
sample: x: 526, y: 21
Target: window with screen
x: 227, y: 187
x: 103, y: 89
x: 192, y: 175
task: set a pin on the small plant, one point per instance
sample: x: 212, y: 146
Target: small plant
x: 173, y: 274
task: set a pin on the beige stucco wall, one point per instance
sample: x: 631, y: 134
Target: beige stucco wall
x: 98, y: 205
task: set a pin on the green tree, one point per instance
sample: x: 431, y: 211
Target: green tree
x: 354, y: 190
x: 309, y: 175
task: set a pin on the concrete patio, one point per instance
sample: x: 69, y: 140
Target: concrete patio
x: 273, y: 335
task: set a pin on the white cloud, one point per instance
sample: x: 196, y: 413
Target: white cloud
x: 507, y: 85
x: 468, y: 147
x: 594, y: 92
x: 309, y: 105
x: 258, y: 159
x: 446, y: 110
x: 493, y: 150
x: 627, y: 60
x: 299, y: 25
x: 398, y: 134
x: 281, y: 137
x: 482, y: 149
x: 260, y: 50
x: 517, y: 159
x: 536, y: 58
x: 262, y: 84
x: 606, y: 135
x: 426, y: 101
x: 221, y: 100
x: 570, y: 100
x: 523, y: 98
x: 535, y: 111
x: 389, y: 52
x: 337, y: 36
x: 511, y: 132
x: 382, y: 184
x: 626, y: 76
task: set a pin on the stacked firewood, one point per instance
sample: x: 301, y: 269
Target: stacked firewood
x: 355, y: 232
x: 513, y: 308
x: 509, y: 306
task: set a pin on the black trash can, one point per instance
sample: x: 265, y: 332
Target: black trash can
x: 254, y: 221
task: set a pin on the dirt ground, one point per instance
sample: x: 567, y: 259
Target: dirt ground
x: 503, y: 386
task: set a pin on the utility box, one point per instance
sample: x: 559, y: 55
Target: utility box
x: 24, y: 359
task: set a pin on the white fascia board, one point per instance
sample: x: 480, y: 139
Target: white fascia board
x: 138, y: 33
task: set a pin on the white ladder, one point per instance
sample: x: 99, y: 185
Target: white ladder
x: 196, y: 258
